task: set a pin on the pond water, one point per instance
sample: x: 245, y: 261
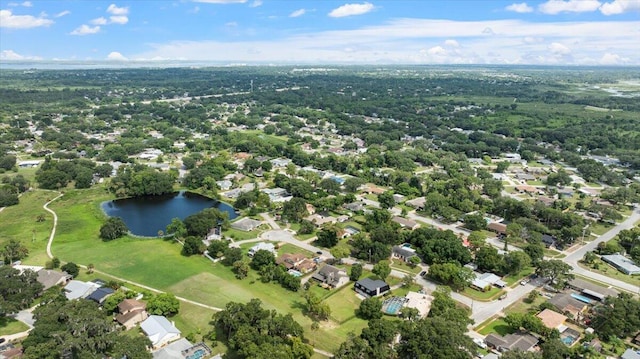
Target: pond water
x: 147, y: 215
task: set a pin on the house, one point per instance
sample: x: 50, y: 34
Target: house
x: 27, y: 164
x: 567, y: 304
x: 49, y: 278
x: 99, y: 295
x: 183, y: 349
x: 630, y: 354
x: 406, y: 223
x: 306, y: 265
x: 320, y: 219
x: 280, y: 162
x: 354, y: 206
x: 331, y: 276
x: 277, y: 194
x: 552, y: 319
x: 592, y: 290
x: 484, y: 281
x: 622, y: 263
x: 371, y: 288
x: 77, y: 289
x: 131, y: 312
x: 548, y: 240
x: 526, y: 189
x: 310, y: 208
x: 373, y: 189
x: 224, y: 185
x: 417, y: 203
x: 246, y: 224
x: 349, y: 231
x: 398, y: 198
x: 404, y: 252
x: 525, y: 177
x: 290, y: 260
x: 514, y: 341
x: 159, y: 330
x: 262, y: 246
x: 419, y: 301
x: 498, y: 228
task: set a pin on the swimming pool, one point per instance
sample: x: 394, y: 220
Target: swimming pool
x: 393, y: 305
x: 198, y: 354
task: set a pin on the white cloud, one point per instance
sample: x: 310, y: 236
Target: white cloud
x: 9, y: 20
x: 118, y: 19
x: 619, y: 6
x: 553, y: 7
x: 613, y: 59
x: 557, y: 48
x: 114, y: 10
x: 437, y: 50
x: 63, y: 13
x: 116, y: 56
x: 451, y: 43
x: 85, y: 30
x: 298, y: 13
x: 98, y: 21
x: 351, y: 10
x: 256, y: 3
x: 11, y: 55
x: 27, y: 4
x: 222, y: 1
x: 408, y: 40
x: 519, y: 8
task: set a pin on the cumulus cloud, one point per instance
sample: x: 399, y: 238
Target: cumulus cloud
x: 63, y: 13
x: 98, y: 21
x: 119, y: 19
x: 114, y: 10
x: 116, y: 56
x: 27, y: 4
x: 256, y: 3
x: 403, y: 41
x: 451, y: 43
x: 613, y: 59
x: 85, y: 30
x: 557, y: 48
x: 351, y: 10
x: 553, y: 7
x: 619, y: 6
x: 11, y: 55
x: 519, y: 8
x: 298, y: 13
x: 9, y: 20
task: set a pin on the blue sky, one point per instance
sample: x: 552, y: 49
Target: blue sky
x: 546, y: 32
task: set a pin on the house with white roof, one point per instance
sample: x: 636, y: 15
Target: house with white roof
x: 262, y: 246
x: 78, y: 289
x: 159, y: 330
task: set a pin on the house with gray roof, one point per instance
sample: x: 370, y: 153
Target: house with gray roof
x: 78, y: 289
x: 514, y: 341
x: 417, y: 203
x: 100, y: 295
x: 405, y: 223
x: 331, y: 276
x: 403, y: 252
x: 592, y: 290
x: 246, y: 224
x: 371, y: 287
x: 159, y: 330
x: 622, y: 263
x: 630, y: 354
x: 50, y: 278
x: 183, y: 349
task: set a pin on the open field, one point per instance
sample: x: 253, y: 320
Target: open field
x: 10, y: 326
x: 19, y: 222
x: 497, y: 325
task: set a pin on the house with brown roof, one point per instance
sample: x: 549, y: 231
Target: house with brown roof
x: 296, y: 261
x: 526, y: 189
x: 551, y: 319
x: 50, y: 278
x: 373, y: 189
x: 567, y: 304
x: 406, y: 223
x: 131, y: 312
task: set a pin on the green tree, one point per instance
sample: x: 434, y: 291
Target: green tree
x: 554, y: 349
x: 516, y: 261
x: 355, y: 272
x: 452, y: 274
x: 436, y: 338
x: 370, y: 308
x: 13, y: 251
x: 176, y: 228
x: 17, y: 290
x: 557, y: 271
x: 475, y: 222
x: 261, y: 259
x: 231, y: 255
x: 386, y: 200
x: 315, y: 307
x: 295, y: 210
x: 382, y: 269
x: 618, y: 317
x: 71, y: 268
x: 306, y: 227
x: 113, y: 228
x: 241, y: 268
x: 327, y: 237
x: 163, y: 304
x: 192, y: 245
x: 217, y: 248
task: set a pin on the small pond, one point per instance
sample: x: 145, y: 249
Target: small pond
x: 147, y: 215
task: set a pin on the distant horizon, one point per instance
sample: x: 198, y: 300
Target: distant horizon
x: 465, y: 32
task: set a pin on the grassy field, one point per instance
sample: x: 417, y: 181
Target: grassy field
x: 489, y: 295
x: 10, y: 326
x: 607, y: 270
x: 498, y: 326
x: 19, y: 222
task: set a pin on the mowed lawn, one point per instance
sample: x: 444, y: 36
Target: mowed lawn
x: 20, y: 222
x: 157, y: 263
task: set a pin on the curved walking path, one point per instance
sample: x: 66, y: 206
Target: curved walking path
x: 55, y: 224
